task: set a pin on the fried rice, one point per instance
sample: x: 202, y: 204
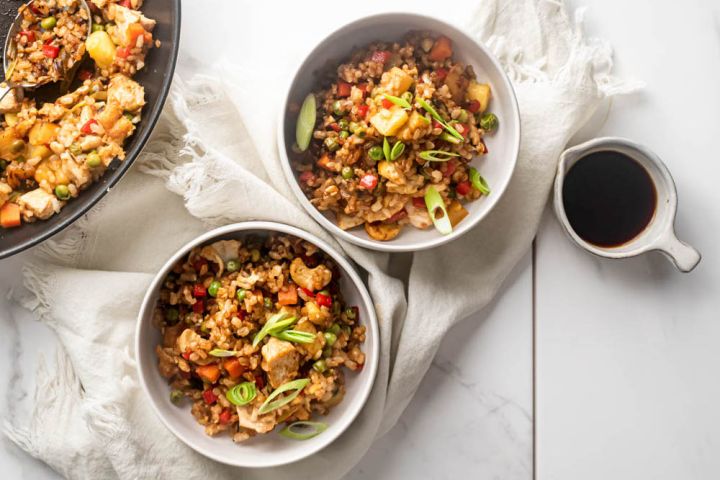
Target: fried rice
x: 385, y: 92
x: 215, y: 311
x: 50, y: 152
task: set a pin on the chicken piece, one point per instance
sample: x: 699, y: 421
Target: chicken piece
x: 311, y: 350
x: 313, y: 279
x: 126, y: 93
x: 77, y: 173
x: 316, y: 314
x: 280, y: 360
x: 11, y: 101
x: 110, y: 114
x: 248, y: 418
x: 189, y: 340
x: 122, y: 129
x: 40, y: 203
x: 5, y: 191
x: 418, y: 217
x: 123, y: 18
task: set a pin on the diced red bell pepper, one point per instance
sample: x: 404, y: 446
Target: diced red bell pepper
x: 387, y: 103
x: 198, y: 306
x: 441, y: 73
x: 398, y: 216
x: 186, y: 354
x: 10, y: 215
x: 85, y: 75
x: 437, y: 124
x: 199, y: 290
x: 335, y: 127
x: 29, y: 35
x: 259, y: 381
x: 199, y: 263
x: 363, y: 87
x: 35, y: 9
x: 288, y: 296
x: 126, y: 4
x: 418, y: 202
x: 307, y: 176
x: 474, y: 106
x: 209, y: 396
x: 462, y: 129
x: 123, y: 52
x: 369, y: 181
x: 362, y: 111
x: 225, y: 416
x: 450, y: 168
x: 307, y: 292
x: 50, y: 51
x: 343, y: 89
x: 323, y: 300
x: 463, y: 188
x: 381, y: 56
x: 87, y: 128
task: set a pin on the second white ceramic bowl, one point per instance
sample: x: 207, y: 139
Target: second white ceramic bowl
x: 263, y: 450
x: 497, y: 166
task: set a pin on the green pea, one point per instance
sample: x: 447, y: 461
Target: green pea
x: 129, y: 116
x: 407, y: 96
x: 98, y: 27
x: 327, y: 351
x: 62, y: 192
x: 232, y: 265
x: 330, y: 338
x: 17, y: 146
x: 331, y: 144
x: 213, y: 288
x: 3, y: 164
x: 176, y: 396
x: 320, y: 366
x: 344, y: 134
x: 254, y: 254
x: 241, y: 295
x: 463, y: 117
x: 489, y: 122
x: 172, y: 315
x: 347, y: 173
x: 93, y: 160
x: 324, y: 292
x: 48, y: 23
x: 376, y: 153
x: 76, y: 149
x: 337, y: 108
x: 334, y: 328
x: 350, y: 313
x: 268, y: 303
x: 343, y: 124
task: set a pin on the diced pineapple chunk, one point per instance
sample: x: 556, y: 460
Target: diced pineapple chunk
x: 101, y: 48
x: 43, y: 133
x: 479, y: 92
x: 11, y: 119
x: 456, y: 212
x: 389, y: 121
x: 416, y: 122
x: 396, y: 81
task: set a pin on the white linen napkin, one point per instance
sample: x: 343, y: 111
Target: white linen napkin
x: 202, y: 169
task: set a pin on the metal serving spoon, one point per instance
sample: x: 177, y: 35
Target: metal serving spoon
x: 9, y: 51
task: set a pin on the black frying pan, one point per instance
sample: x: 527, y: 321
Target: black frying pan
x: 155, y: 77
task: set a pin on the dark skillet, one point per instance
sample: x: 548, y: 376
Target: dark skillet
x: 155, y: 77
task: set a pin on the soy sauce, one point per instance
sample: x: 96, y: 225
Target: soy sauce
x: 609, y: 198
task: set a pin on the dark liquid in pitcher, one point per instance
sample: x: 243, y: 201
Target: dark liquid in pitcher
x: 609, y: 198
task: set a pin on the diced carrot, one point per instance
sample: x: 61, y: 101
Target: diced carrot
x: 10, y: 215
x: 441, y: 50
x: 327, y: 163
x: 234, y: 368
x: 134, y: 31
x: 287, y: 296
x: 209, y: 373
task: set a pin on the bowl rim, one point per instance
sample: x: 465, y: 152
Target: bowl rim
x: 433, y: 240
x: 371, y: 365
x: 112, y: 178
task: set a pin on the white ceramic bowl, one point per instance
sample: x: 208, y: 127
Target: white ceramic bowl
x: 497, y: 166
x: 263, y: 450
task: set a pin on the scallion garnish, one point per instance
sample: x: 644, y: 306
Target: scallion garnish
x: 449, y: 138
x: 306, y: 122
x: 396, y: 151
x: 400, y: 102
x: 478, y: 182
x: 433, y: 113
x: 386, y: 149
x: 219, y: 352
x: 437, y: 155
x: 271, y: 404
x: 242, y: 394
x: 316, y: 428
x: 278, y: 322
x: 434, y: 202
x: 295, y: 336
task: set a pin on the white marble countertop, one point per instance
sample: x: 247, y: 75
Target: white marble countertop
x: 583, y: 368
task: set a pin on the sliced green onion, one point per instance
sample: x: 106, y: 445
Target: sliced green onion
x: 317, y: 429
x: 433, y: 113
x: 242, y: 394
x: 386, y: 149
x: 478, y: 182
x: 400, y: 102
x: 449, y: 138
x: 408, y: 97
x: 295, y: 336
x: 219, y: 352
x: 396, y: 151
x: 271, y: 404
x: 437, y: 155
x: 176, y: 396
x: 306, y: 122
x: 278, y: 322
x: 434, y: 202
